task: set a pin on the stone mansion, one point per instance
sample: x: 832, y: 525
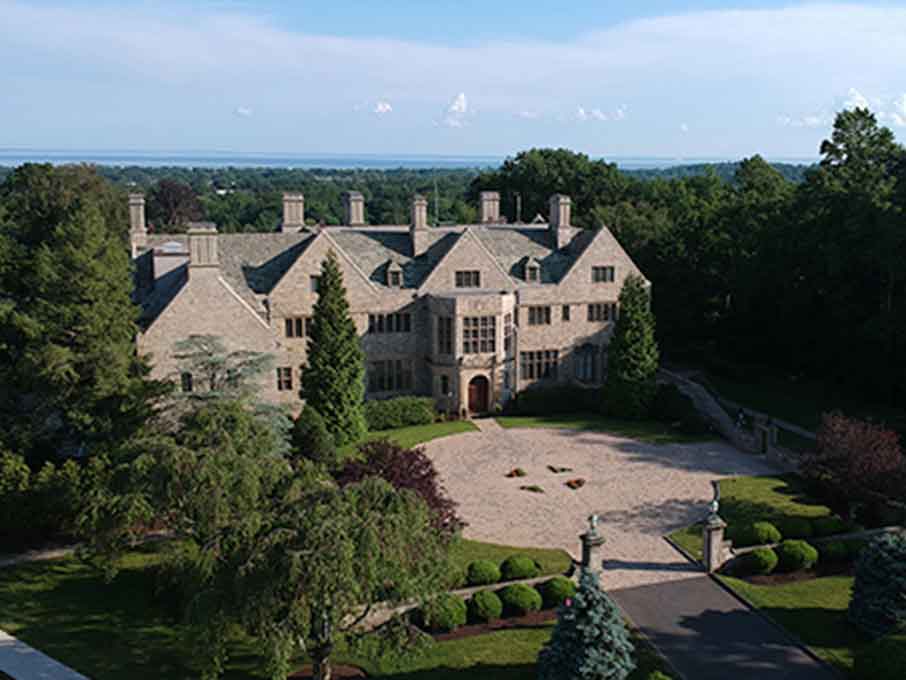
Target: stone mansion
x: 469, y: 314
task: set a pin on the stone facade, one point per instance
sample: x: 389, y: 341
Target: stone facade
x: 468, y: 314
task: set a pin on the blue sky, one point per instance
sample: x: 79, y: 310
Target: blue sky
x: 673, y: 79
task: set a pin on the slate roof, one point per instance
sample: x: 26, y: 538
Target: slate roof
x: 253, y: 263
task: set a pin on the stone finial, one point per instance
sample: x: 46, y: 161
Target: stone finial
x: 489, y: 207
x: 202, y: 245
x: 293, y: 212
x: 354, y: 208
x: 559, y: 220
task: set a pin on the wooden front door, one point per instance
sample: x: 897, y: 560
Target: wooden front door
x: 478, y: 394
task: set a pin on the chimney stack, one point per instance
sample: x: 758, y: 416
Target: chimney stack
x: 419, y: 227
x: 354, y: 208
x: 293, y: 212
x: 559, y: 221
x: 489, y: 207
x: 138, y: 230
x: 202, y: 246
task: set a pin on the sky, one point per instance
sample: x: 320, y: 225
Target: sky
x: 682, y: 79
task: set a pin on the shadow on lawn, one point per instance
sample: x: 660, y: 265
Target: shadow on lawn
x: 477, y: 672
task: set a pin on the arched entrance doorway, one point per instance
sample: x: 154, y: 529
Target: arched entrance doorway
x: 478, y: 394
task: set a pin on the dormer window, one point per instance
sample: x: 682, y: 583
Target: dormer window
x: 394, y: 275
x: 533, y: 270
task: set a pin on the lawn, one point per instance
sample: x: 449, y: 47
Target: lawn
x: 649, y: 431
x: 551, y: 561
x: 750, y: 499
x: 117, y: 630
x: 413, y: 435
x: 814, y: 611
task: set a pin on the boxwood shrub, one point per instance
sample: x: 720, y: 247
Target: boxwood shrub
x: 550, y: 400
x: 482, y: 573
x: 795, y: 555
x: 444, y: 614
x: 387, y: 414
x: 759, y: 533
x: 795, y: 527
x: 517, y: 567
x: 555, y: 591
x: 485, y: 606
x: 760, y: 561
x: 520, y: 599
x: 883, y: 659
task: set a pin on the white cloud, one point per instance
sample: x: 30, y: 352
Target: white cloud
x: 620, y: 113
x: 855, y: 100
x: 243, y: 112
x: 811, y: 120
x: 583, y: 114
x: 899, y: 111
x: 529, y: 115
x: 382, y: 107
x: 684, y: 128
x: 457, y: 111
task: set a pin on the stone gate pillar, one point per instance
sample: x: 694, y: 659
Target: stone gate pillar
x: 714, y: 543
x: 591, y: 544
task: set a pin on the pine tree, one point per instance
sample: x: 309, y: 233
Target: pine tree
x: 333, y: 383
x: 590, y: 640
x: 631, y: 386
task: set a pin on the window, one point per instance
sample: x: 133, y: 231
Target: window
x: 444, y: 335
x: 565, y: 312
x: 444, y: 385
x: 185, y: 382
x: 508, y: 333
x: 389, y: 375
x: 284, y: 378
x: 585, y: 364
x: 540, y: 364
x: 539, y: 316
x: 533, y: 273
x: 400, y: 322
x: 478, y: 334
x: 468, y: 279
x: 314, y: 283
x: 396, y: 279
x: 602, y: 274
x: 602, y: 311
x: 298, y: 326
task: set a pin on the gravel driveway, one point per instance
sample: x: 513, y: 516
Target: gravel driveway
x: 641, y: 491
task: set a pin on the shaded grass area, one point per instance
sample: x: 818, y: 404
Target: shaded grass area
x: 413, y: 435
x: 752, y: 499
x: 552, y: 561
x: 649, y: 431
x: 814, y: 611
x: 801, y: 401
x: 118, y: 630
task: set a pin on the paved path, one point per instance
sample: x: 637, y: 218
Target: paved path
x: 22, y: 662
x: 642, y: 491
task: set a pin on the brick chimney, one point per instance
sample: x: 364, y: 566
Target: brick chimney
x: 559, y: 221
x: 293, y: 212
x: 138, y: 230
x: 489, y: 207
x: 353, y: 208
x: 202, y: 247
x: 418, y: 230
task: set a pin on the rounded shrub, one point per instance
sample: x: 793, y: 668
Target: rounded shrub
x: 517, y: 567
x: 520, y: 599
x: 883, y: 659
x: 878, y: 603
x: 760, y: 561
x: 444, y: 614
x: 829, y: 526
x: 795, y: 555
x: 795, y: 527
x: 310, y: 439
x: 657, y: 675
x: 482, y: 573
x: 758, y: 533
x: 485, y: 606
x: 555, y: 591
x: 833, y: 552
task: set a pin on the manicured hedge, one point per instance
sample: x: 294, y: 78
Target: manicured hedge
x: 795, y: 527
x: 482, y: 573
x: 556, y: 399
x: 445, y: 614
x: 828, y: 526
x: 556, y: 591
x: 884, y: 659
x: 485, y: 606
x: 520, y: 599
x: 795, y: 555
x: 760, y: 561
x: 758, y: 533
x: 518, y: 567
x: 387, y: 414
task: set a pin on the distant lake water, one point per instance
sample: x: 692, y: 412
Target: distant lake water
x: 217, y: 159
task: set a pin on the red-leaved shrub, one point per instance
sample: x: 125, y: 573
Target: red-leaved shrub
x: 404, y: 469
x: 855, y: 461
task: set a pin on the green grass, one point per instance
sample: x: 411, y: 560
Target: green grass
x: 751, y: 499
x: 801, y: 401
x: 648, y: 431
x: 814, y: 611
x: 551, y: 561
x: 118, y: 630
x: 413, y: 435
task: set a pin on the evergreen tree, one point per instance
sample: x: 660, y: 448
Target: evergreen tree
x: 333, y: 383
x: 590, y: 640
x: 631, y: 386
x: 311, y: 440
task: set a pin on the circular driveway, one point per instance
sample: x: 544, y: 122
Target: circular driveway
x: 641, y: 492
